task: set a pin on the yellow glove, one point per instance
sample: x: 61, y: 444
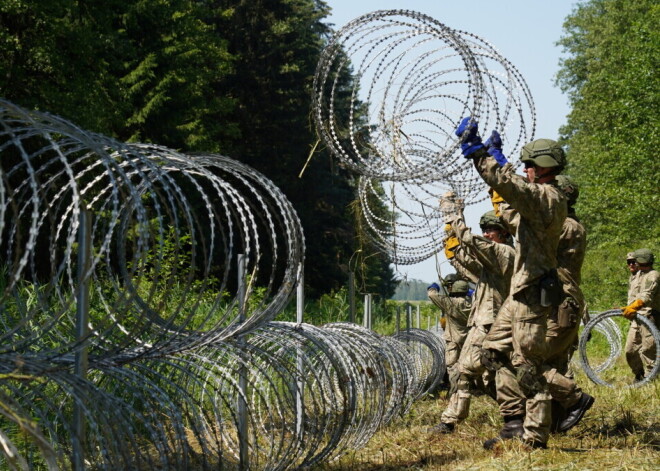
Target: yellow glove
x: 447, y: 227
x: 496, y: 199
x: 630, y: 310
x: 443, y: 322
x: 450, y: 244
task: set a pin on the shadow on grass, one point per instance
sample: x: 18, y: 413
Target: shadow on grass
x: 435, y: 459
x: 624, y: 427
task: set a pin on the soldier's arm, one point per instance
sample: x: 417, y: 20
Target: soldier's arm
x: 528, y: 199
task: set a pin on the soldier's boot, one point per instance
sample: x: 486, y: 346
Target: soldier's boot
x: 443, y: 428
x: 513, y: 427
x: 575, y: 413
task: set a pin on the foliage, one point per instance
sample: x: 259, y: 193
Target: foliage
x: 610, y: 76
x: 231, y: 77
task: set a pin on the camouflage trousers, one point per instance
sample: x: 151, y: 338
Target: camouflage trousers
x: 561, y: 343
x: 640, y: 348
x: 519, y: 333
x: 469, y: 370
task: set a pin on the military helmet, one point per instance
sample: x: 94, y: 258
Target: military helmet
x: 449, y: 279
x: 569, y: 187
x: 489, y: 219
x: 544, y: 153
x: 460, y: 287
x: 644, y: 256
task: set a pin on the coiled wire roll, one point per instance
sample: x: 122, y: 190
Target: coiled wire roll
x: 594, y: 373
x: 167, y: 353
x: 414, y: 79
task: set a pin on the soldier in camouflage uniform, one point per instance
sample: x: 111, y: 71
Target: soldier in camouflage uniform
x: 640, y: 345
x: 535, y: 289
x: 570, y: 403
x: 456, y: 308
x: 495, y: 256
x: 563, y: 324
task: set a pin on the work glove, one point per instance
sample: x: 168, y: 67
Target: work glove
x: 434, y: 286
x: 496, y: 200
x: 443, y: 322
x: 630, y: 310
x: 494, y: 147
x: 450, y: 244
x: 450, y: 206
x: 468, y: 131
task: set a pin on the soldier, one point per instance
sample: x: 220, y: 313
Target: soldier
x: 640, y: 343
x: 456, y: 307
x: 563, y: 324
x: 535, y: 288
x: 495, y: 255
x: 631, y: 263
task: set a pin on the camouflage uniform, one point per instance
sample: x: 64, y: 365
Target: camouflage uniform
x: 640, y: 344
x: 465, y: 264
x: 492, y: 288
x: 541, y: 212
x: 564, y: 322
x: 456, y: 310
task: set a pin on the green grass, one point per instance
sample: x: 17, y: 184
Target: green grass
x: 620, y: 432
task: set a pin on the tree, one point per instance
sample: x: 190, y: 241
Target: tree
x: 611, y: 79
x: 612, y: 83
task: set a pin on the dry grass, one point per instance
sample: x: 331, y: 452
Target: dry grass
x: 621, y: 431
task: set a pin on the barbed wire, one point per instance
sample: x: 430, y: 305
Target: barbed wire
x: 604, y: 324
x: 414, y: 78
x: 185, y: 368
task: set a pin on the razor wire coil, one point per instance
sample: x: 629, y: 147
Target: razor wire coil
x: 169, y: 359
x: 414, y: 79
x: 595, y: 373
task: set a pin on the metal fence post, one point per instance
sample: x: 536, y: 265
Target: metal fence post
x: 244, y: 463
x: 351, y: 297
x: 398, y: 318
x: 82, y: 332
x: 300, y: 309
x: 418, y: 323
x: 408, y: 316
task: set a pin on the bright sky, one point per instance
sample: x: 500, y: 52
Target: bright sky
x: 524, y: 31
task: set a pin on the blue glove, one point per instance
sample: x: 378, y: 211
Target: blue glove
x: 494, y: 147
x: 468, y: 131
x: 434, y: 286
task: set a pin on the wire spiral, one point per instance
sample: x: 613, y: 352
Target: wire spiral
x: 185, y: 367
x: 414, y: 79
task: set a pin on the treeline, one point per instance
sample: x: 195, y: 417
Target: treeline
x: 411, y: 290
x: 227, y: 77
x: 610, y: 75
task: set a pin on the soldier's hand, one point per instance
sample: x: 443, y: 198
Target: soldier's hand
x: 494, y: 147
x: 468, y: 131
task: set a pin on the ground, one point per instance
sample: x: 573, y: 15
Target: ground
x: 621, y: 431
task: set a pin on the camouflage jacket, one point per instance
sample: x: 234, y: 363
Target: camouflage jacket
x: 541, y: 210
x: 570, y: 257
x: 457, y: 310
x: 496, y: 262
x: 648, y: 290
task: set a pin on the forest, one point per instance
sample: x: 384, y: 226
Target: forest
x: 234, y: 77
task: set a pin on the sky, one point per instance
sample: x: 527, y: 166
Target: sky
x: 524, y: 32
